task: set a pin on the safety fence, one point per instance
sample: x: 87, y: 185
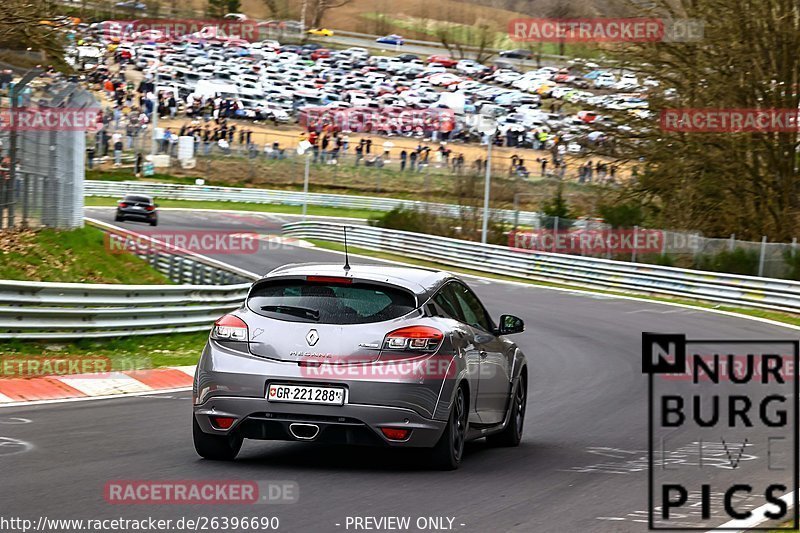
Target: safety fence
x: 116, y: 189
x: 37, y: 310
x: 596, y: 273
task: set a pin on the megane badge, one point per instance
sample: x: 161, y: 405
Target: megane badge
x: 312, y: 337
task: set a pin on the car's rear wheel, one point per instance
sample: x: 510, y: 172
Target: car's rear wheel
x: 215, y: 447
x: 118, y: 218
x: 512, y: 434
x: 154, y: 222
x: 449, y: 450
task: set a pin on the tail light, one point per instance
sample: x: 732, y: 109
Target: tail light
x: 395, y: 433
x: 122, y: 204
x: 222, y: 422
x: 230, y: 327
x: 335, y: 280
x: 150, y: 208
x: 417, y: 338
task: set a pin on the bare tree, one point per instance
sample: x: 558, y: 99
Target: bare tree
x: 720, y: 183
x: 320, y: 7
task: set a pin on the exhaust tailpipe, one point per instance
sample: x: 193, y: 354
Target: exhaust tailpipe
x: 304, y: 431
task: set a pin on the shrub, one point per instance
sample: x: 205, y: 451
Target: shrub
x: 738, y: 261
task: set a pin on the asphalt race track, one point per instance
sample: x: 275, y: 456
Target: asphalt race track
x: 579, y: 467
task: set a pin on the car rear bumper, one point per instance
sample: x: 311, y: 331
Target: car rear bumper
x: 141, y: 215
x: 349, y: 424
x: 233, y: 384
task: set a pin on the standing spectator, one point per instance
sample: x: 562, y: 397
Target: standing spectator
x: 137, y: 164
x: 412, y: 160
x: 403, y: 156
x: 118, y: 151
x: 173, y: 105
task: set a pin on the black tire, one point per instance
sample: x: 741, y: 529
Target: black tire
x: 118, y: 218
x: 154, y: 222
x: 215, y: 447
x: 447, y: 453
x: 512, y: 434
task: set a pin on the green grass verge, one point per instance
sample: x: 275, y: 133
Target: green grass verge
x: 96, y: 201
x: 771, y: 315
x: 76, y: 256
x: 125, y: 353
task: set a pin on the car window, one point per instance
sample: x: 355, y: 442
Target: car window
x: 448, y: 302
x: 329, y: 303
x: 471, y: 308
x: 137, y: 199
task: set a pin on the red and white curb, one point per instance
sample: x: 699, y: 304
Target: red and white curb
x: 14, y: 391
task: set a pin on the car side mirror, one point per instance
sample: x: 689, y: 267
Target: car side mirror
x: 510, y: 324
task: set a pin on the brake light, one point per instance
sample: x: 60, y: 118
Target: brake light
x: 122, y: 204
x: 395, y: 434
x: 150, y: 208
x: 230, y: 327
x: 423, y: 338
x: 222, y: 422
x: 330, y: 279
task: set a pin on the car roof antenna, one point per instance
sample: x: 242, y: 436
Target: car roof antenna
x: 346, y: 256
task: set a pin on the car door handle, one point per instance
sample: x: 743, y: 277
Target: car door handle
x: 483, y: 354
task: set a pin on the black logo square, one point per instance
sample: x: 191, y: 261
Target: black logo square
x: 663, y: 353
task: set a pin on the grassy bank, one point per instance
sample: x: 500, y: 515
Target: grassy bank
x: 347, y: 179
x: 77, y: 256
x: 125, y: 353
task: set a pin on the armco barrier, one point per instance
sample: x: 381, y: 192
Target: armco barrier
x: 116, y: 189
x: 35, y: 310
x: 743, y: 291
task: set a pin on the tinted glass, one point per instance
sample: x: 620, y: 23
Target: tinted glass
x: 137, y: 199
x: 461, y: 303
x: 324, y: 303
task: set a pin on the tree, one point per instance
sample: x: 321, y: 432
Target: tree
x: 720, y: 183
x: 320, y: 7
x: 33, y: 25
x: 219, y: 8
x: 557, y: 211
x: 460, y: 39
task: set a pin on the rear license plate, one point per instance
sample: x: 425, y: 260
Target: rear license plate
x: 305, y: 394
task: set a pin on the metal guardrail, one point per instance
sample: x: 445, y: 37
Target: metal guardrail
x: 728, y: 289
x: 117, y: 189
x: 35, y: 310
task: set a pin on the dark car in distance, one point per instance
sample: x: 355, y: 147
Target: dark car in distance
x: 519, y: 53
x: 137, y: 207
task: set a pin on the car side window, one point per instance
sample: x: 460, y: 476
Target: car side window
x: 448, y: 302
x: 471, y: 308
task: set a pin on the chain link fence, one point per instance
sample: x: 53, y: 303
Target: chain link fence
x: 594, y: 238
x: 42, y: 159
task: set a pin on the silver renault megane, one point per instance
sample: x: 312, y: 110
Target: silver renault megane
x: 369, y: 355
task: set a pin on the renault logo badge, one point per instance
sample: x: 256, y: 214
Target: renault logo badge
x: 312, y: 337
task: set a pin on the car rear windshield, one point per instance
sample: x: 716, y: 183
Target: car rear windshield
x: 137, y: 199
x: 298, y: 300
